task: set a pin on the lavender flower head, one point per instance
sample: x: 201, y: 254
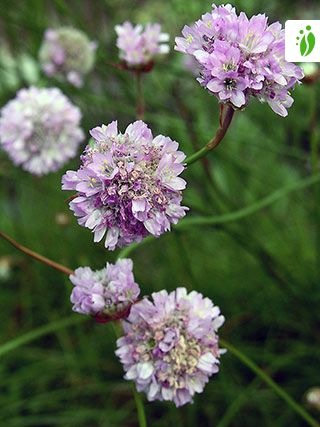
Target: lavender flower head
x: 40, y: 129
x: 170, y: 347
x: 128, y: 185
x: 240, y: 58
x: 106, y: 293
x: 139, y: 46
x: 67, y: 53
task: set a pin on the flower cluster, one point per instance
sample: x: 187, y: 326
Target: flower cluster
x: 105, y: 293
x: 128, y: 185
x: 67, y: 53
x: 139, y: 46
x: 39, y: 129
x: 241, y: 57
x: 170, y: 347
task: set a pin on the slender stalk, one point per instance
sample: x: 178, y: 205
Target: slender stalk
x: 35, y: 255
x: 30, y: 336
x: 125, y: 252
x: 140, y: 98
x: 254, y: 207
x: 198, y: 155
x: 244, y: 397
x: 232, y: 216
x: 269, y: 381
x: 140, y: 407
x: 215, y: 141
x: 187, y: 117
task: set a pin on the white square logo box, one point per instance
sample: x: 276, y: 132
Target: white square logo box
x: 302, y: 40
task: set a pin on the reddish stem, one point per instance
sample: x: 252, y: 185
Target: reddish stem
x: 69, y: 199
x: 215, y: 141
x: 221, y: 114
x: 224, y: 126
x: 36, y: 256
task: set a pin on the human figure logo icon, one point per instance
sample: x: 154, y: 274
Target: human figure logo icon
x: 306, y: 40
x: 302, y: 41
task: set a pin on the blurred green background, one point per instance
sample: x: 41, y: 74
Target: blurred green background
x: 262, y: 270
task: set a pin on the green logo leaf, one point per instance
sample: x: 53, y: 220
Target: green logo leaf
x: 307, y: 44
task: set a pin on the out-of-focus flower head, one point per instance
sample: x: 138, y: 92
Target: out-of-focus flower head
x: 105, y: 294
x: 40, y: 129
x: 62, y: 219
x: 128, y: 185
x: 67, y: 53
x: 240, y: 58
x: 311, y: 72
x: 139, y: 46
x: 6, y: 264
x: 313, y: 398
x: 170, y: 347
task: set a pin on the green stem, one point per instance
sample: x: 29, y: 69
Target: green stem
x: 39, y: 332
x: 187, y: 117
x: 254, y: 207
x: 196, y: 156
x: 269, y: 381
x: 215, y: 141
x: 116, y: 326
x: 140, y: 407
x: 140, y: 98
x: 232, y: 216
x: 125, y: 252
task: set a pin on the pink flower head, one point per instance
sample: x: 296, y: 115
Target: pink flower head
x: 241, y: 57
x: 139, y: 46
x: 170, y: 347
x: 40, y: 129
x: 128, y: 185
x: 105, y: 293
x: 68, y: 54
